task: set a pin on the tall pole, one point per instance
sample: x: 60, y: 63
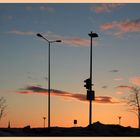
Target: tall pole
x: 49, y: 86
x: 90, y: 101
x: 49, y: 90
x: 92, y: 35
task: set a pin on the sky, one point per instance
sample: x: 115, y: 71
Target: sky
x: 24, y: 62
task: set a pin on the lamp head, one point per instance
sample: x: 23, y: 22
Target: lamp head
x: 58, y: 40
x: 39, y: 35
x: 93, y: 35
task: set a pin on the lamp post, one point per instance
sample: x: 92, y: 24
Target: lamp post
x: 44, y: 118
x: 119, y: 117
x: 49, y: 44
x: 92, y: 35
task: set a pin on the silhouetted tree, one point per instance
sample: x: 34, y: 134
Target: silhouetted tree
x: 2, y: 107
x: 134, y: 102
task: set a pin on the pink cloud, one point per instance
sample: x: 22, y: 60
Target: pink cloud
x: 107, y: 26
x: 68, y: 95
x: 106, y: 99
x: 119, y: 92
x: 76, y: 41
x: 118, y: 79
x: 125, y: 87
x: 105, y: 7
x: 24, y: 92
x: 73, y: 41
x: 21, y: 32
x: 135, y: 80
x: 122, y: 27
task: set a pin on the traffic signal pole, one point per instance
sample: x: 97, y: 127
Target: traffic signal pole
x: 88, y: 82
x: 92, y: 35
x: 90, y: 101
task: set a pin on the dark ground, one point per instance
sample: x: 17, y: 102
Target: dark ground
x: 96, y: 129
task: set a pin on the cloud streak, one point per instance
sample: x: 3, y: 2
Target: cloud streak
x: 124, y: 87
x: 119, y: 92
x: 75, y: 41
x: 114, y: 71
x: 104, y: 86
x: 105, y: 7
x: 135, y: 80
x: 122, y: 27
x: 54, y: 92
x: 118, y: 79
x: 106, y: 99
x: 68, y: 95
x: 16, y: 32
x: 70, y: 41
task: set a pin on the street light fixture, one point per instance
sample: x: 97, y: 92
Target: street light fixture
x: 39, y: 35
x: 49, y: 44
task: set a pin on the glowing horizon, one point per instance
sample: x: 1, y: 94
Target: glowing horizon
x: 23, y: 62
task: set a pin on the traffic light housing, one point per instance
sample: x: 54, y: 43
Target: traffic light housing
x: 90, y: 95
x: 88, y: 83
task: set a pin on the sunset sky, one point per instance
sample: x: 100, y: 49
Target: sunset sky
x: 24, y: 62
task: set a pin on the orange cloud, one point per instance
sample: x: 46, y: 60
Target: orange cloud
x: 106, y: 99
x: 105, y: 7
x: 54, y: 92
x: 135, y: 80
x: 119, y: 92
x: 118, y: 79
x: 122, y: 27
x: 59, y: 93
x: 125, y: 87
x: 76, y: 41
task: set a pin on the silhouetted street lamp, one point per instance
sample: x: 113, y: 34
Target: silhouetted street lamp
x: 44, y: 118
x: 49, y: 44
x: 90, y: 93
x: 119, y: 117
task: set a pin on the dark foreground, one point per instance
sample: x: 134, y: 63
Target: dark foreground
x: 97, y: 129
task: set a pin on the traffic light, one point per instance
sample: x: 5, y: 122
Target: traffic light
x: 88, y: 83
x: 90, y: 95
